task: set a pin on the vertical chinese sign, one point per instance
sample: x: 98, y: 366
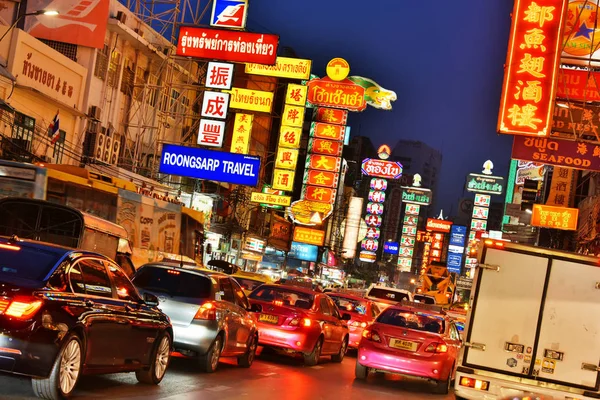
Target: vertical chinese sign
x: 532, y: 63
x: 242, y: 130
x: 215, y: 104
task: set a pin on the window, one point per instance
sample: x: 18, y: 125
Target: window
x: 334, y: 310
x: 374, y: 310
x: 173, y: 282
x: 240, y: 297
x: 29, y: 262
x: 125, y: 290
x: 60, y: 279
x: 290, y: 298
x: 95, y: 278
x: 127, y: 81
x: 412, y: 320
x: 151, y: 93
x: 140, y: 80
x: 248, y: 284
x: 325, y: 309
x: 227, y: 289
x: 66, y: 49
x: 454, y: 333
x: 101, y: 62
x: 23, y: 130
x: 76, y: 279
x: 113, y: 68
x: 350, y: 305
x: 387, y: 294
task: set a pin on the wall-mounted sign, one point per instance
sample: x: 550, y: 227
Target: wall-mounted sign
x: 283, y: 179
x: 438, y: 225
x: 327, y: 147
x: 376, y: 196
x: 331, y: 116
x: 370, y: 245
x: 378, y: 184
x: 323, y: 163
x: 326, y: 131
x: 480, y: 212
x: 254, y: 244
x: 292, y: 68
x: 219, y: 75
x: 324, y: 92
x: 250, y: 99
x: 302, y: 211
x: 578, y: 85
x: 229, y: 14
x: 532, y: 62
x: 266, y: 198
x: 303, y: 251
x: 564, y: 153
x: 416, y: 195
x: 478, y: 225
x: 211, y: 133
x: 215, y: 105
x: 391, y: 247
x: 309, y: 235
x: 216, y: 166
x: 412, y: 209
x: 485, y: 183
x: 554, y: 217
x: 295, y: 94
x: 221, y: 44
x: 367, y: 256
x: 381, y: 168
x: 483, y: 200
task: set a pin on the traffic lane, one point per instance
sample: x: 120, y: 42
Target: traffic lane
x: 272, y: 377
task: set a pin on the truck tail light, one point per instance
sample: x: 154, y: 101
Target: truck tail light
x: 207, y: 311
x: 474, y: 383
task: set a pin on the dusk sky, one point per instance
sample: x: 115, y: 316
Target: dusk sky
x: 444, y: 60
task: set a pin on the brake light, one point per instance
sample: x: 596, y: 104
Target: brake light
x: 371, y: 335
x: 173, y: 272
x: 3, y: 305
x: 278, y: 303
x: 9, y: 247
x: 207, y: 311
x: 474, y: 383
x: 437, y: 348
x: 23, y: 309
x: 306, y: 322
x: 361, y: 324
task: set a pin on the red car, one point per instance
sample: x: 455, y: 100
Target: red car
x: 411, y: 339
x: 300, y: 320
x: 362, y: 311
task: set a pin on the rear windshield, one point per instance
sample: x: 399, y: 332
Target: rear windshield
x: 26, y: 262
x: 412, y: 320
x: 174, y: 283
x: 424, y: 299
x: 287, y: 297
x: 385, y: 294
x: 248, y: 284
x: 350, y: 305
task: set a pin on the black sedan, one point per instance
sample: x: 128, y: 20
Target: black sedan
x: 65, y: 312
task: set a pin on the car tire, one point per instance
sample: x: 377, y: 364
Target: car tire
x: 65, y: 372
x: 210, y: 361
x: 247, y: 358
x: 443, y: 387
x: 311, y: 359
x: 161, y: 356
x: 339, y: 357
x: 360, y: 371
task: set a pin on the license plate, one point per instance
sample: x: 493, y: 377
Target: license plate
x: 271, y: 319
x: 403, y: 344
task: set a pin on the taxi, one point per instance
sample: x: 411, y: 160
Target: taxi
x: 411, y: 339
x: 298, y: 320
x: 362, y: 311
x: 250, y: 280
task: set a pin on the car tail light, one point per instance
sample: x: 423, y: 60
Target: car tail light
x: 372, y: 336
x: 207, y: 311
x: 6, y: 246
x: 278, y: 303
x: 306, y: 322
x: 3, y: 305
x: 474, y: 383
x: 23, y: 308
x: 437, y: 348
x: 361, y: 324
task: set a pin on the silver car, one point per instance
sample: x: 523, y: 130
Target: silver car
x: 208, y: 310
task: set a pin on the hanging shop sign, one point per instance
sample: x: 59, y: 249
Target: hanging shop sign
x: 283, y: 179
x: 271, y: 199
x: 375, y: 208
x: 318, y: 194
x: 484, y: 183
x: 326, y: 131
x: 337, y: 69
x: 367, y: 256
x: 479, y: 225
x: 563, y: 153
x: 215, y: 105
x: 289, y: 136
x: 285, y: 67
x: 552, y: 217
x: 438, y: 225
x: 373, y: 220
x: 480, y: 212
x: 532, y: 62
x: 391, y: 247
x: 406, y: 252
x: 251, y: 100
x: 370, y: 245
x: 301, y: 211
x: 376, y: 196
x: 373, y: 233
x: 331, y: 116
x: 578, y: 85
x: 211, y: 133
x: 286, y: 158
x: 327, y: 147
x: 216, y: 166
x: 561, y: 187
x: 296, y: 94
x: 221, y: 44
x: 321, y: 178
x: 309, y: 235
x: 378, y: 184
x: 229, y: 14
x: 416, y: 195
x: 303, y: 251
x: 381, y: 168
x: 219, y: 75
x: 292, y: 115
x: 242, y: 128
x: 323, y: 163
x: 482, y: 200
x: 324, y: 92
x: 412, y: 209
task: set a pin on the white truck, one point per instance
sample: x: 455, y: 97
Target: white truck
x: 533, y: 326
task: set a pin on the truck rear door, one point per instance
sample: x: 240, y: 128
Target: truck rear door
x: 505, y: 312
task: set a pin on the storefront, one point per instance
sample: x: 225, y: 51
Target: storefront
x: 302, y: 257
x: 252, y: 252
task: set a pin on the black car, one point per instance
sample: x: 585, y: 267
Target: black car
x: 65, y: 312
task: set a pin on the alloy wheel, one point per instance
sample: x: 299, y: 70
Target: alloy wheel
x: 162, y: 357
x: 70, y: 366
x: 216, y: 353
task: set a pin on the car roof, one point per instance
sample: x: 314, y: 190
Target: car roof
x: 298, y: 289
x: 48, y: 247
x: 419, y: 307
x: 389, y: 288
x: 349, y: 296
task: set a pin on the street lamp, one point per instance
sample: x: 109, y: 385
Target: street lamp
x: 38, y: 12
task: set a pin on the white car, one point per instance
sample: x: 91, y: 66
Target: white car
x: 386, y: 296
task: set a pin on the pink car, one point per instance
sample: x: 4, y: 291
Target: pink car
x: 299, y: 320
x: 362, y: 311
x: 411, y: 339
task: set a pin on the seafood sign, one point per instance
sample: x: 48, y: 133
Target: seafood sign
x: 220, y: 44
x: 564, y: 153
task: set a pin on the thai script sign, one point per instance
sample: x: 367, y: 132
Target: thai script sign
x: 578, y: 85
x: 380, y: 168
x: 529, y: 89
x: 484, y: 183
x: 564, y: 153
x: 347, y: 95
x: 554, y: 217
x: 220, y: 44
x: 252, y: 100
x: 292, y: 68
x: 416, y: 195
x: 216, y: 166
x: 438, y: 225
x: 273, y: 199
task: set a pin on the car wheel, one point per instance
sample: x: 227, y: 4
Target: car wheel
x: 161, y: 357
x: 312, y: 358
x: 247, y: 359
x: 360, y: 371
x: 443, y: 387
x: 339, y: 357
x: 210, y: 361
x: 64, y: 374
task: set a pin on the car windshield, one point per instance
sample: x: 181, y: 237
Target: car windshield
x: 388, y: 294
x: 285, y: 296
x: 26, y: 262
x: 424, y: 299
x: 173, y: 282
x: 247, y: 283
x: 350, y: 305
x: 464, y: 307
x: 419, y: 321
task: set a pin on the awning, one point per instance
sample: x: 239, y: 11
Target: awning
x: 193, y: 214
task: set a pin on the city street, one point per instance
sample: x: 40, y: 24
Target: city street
x: 271, y: 377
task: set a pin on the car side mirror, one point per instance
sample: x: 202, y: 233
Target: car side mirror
x: 346, y: 317
x: 255, y: 308
x: 150, y: 299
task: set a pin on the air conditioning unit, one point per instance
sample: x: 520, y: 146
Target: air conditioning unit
x: 99, y: 146
x: 107, y: 149
x: 116, y: 147
x: 122, y: 17
x: 94, y: 112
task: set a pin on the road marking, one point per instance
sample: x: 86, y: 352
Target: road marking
x: 218, y: 388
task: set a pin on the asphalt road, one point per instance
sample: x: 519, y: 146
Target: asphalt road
x: 271, y: 377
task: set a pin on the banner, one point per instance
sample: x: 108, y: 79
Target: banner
x: 560, y: 152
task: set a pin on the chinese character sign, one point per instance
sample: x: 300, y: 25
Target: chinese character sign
x: 219, y: 75
x: 242, y: 128
x: 292, y: 115
x: 286, y: 158
x: 211, y: 133
x: 561, y: 187
x: 289, y: 136
x: 532, y: 63
x: 296, y: 95
x: 215, y: 105
x: 283, y: 179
